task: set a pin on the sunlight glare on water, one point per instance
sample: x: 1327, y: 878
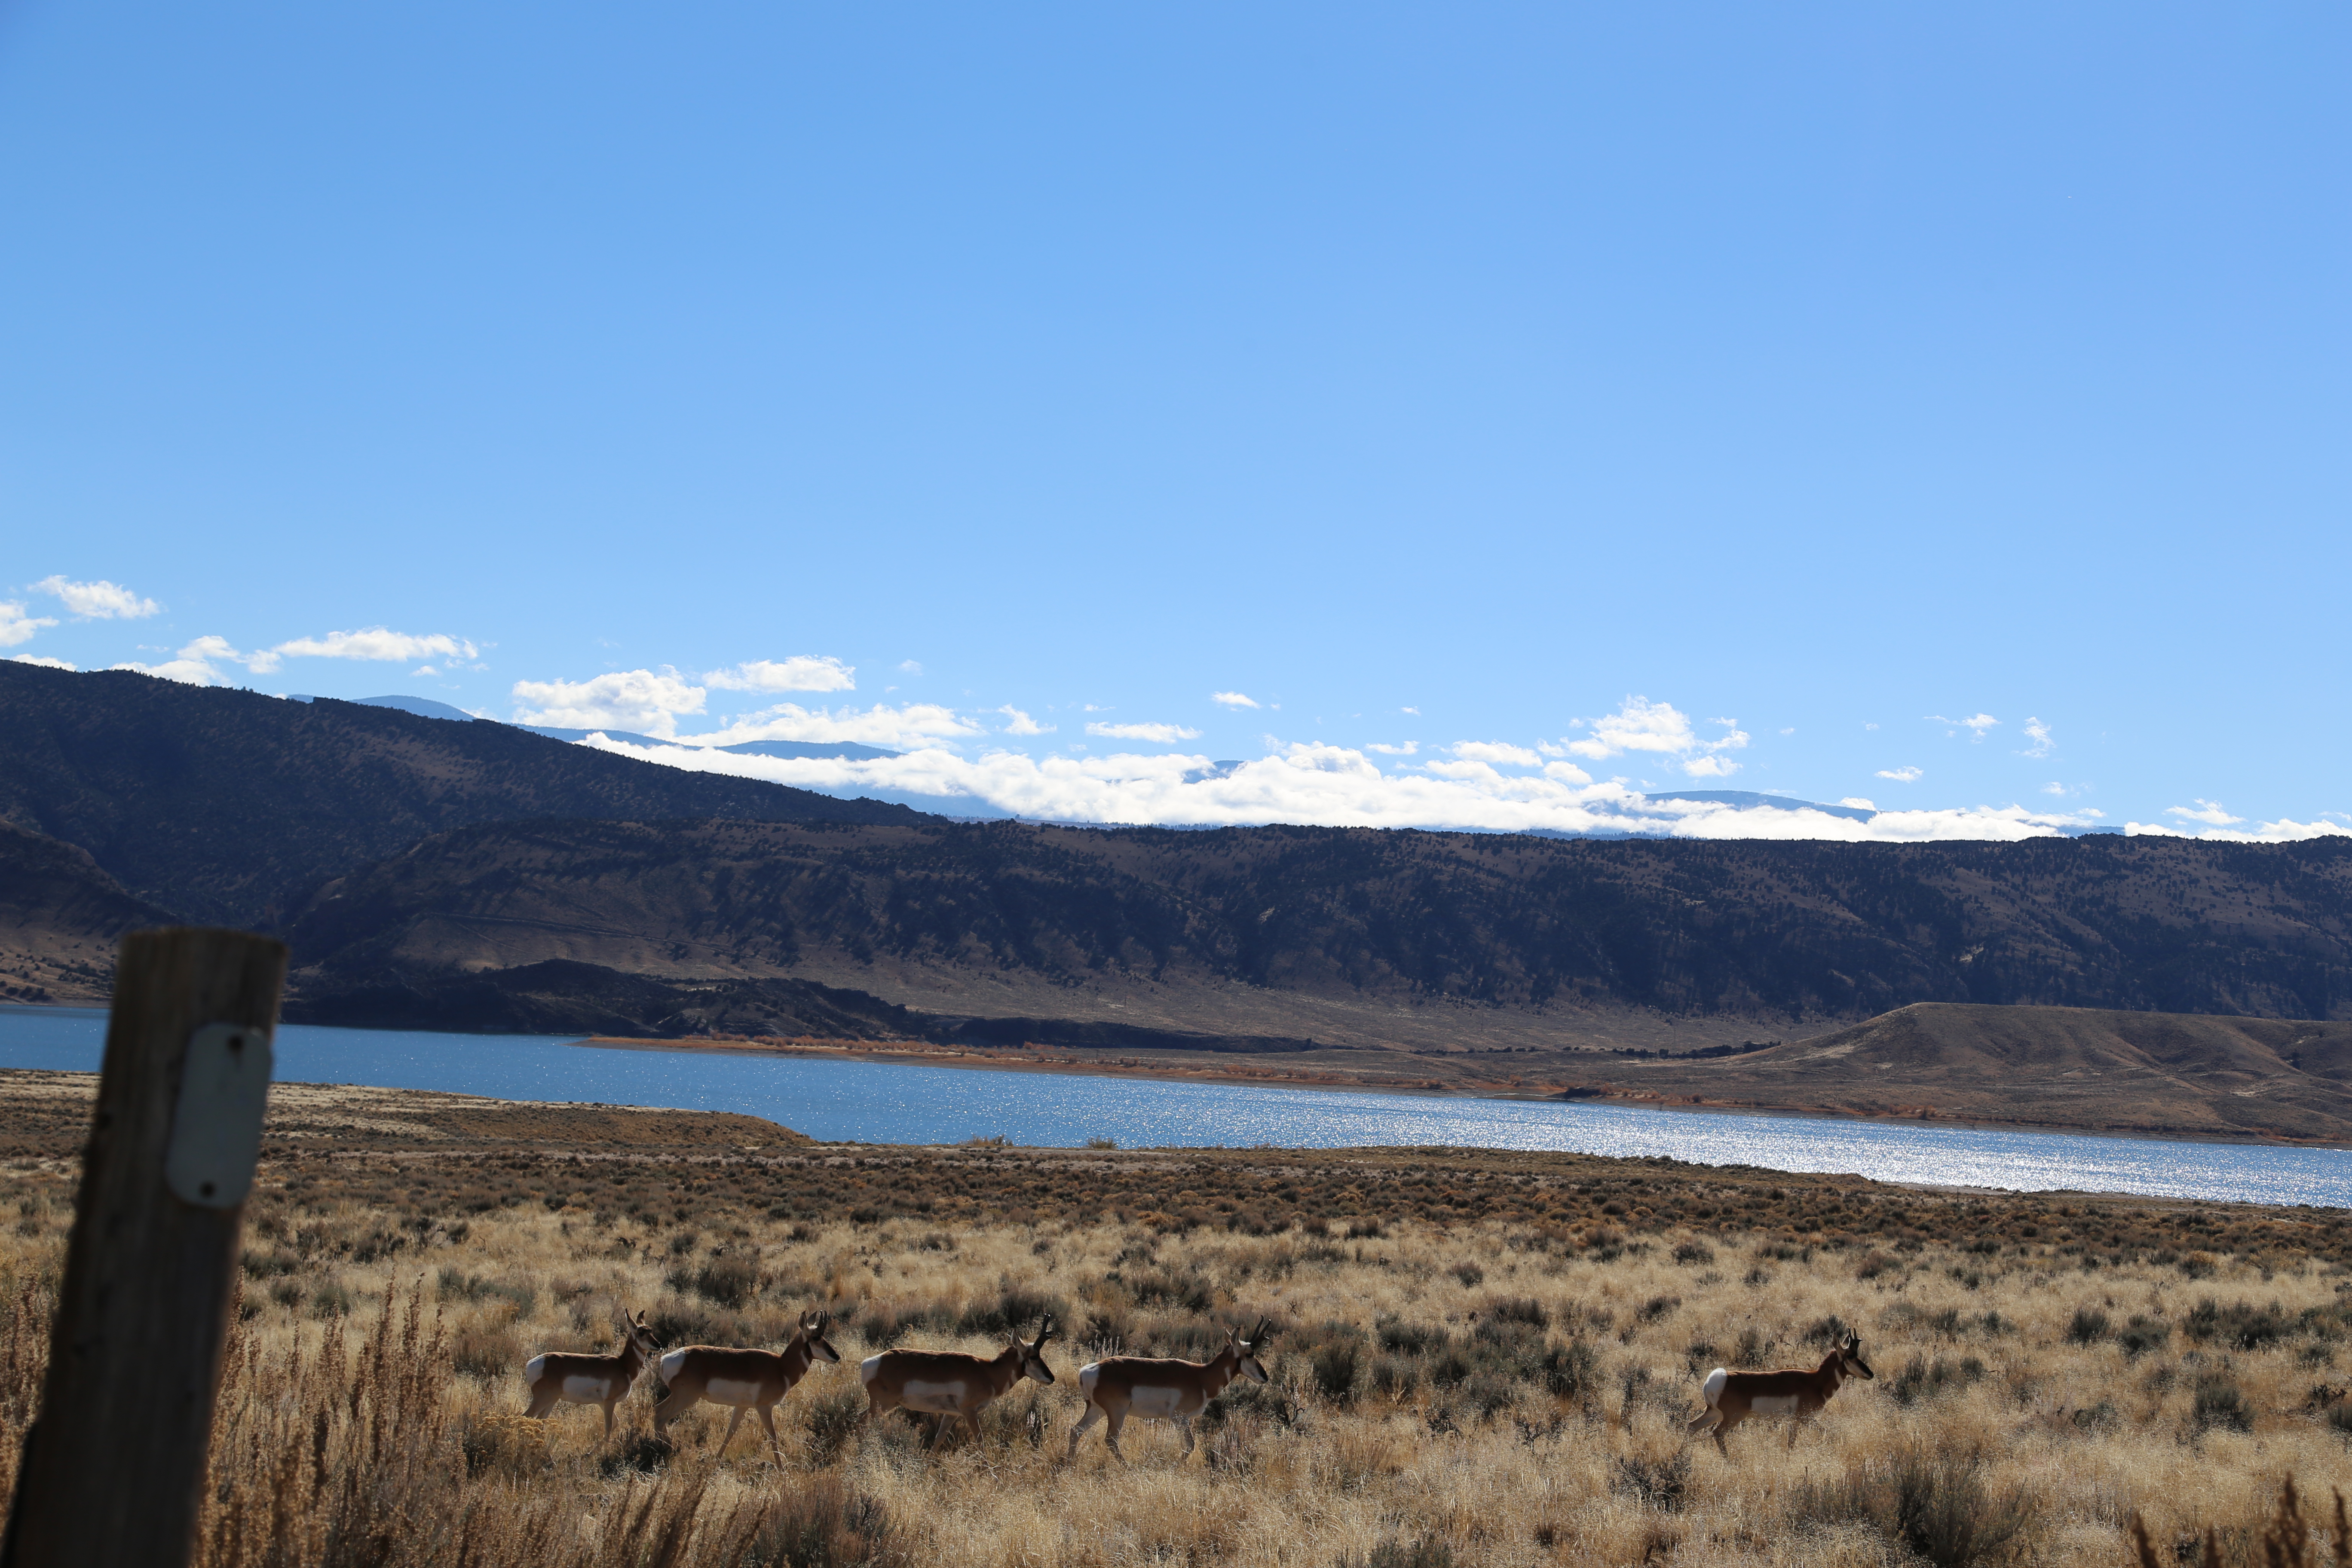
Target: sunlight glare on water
x: 869, y: 1102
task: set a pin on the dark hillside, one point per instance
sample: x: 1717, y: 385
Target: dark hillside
x: 60, y: 918
x: 1002, y: 917
x: 230, y: 806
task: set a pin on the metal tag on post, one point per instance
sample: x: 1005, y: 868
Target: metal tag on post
x: 217, y: 1129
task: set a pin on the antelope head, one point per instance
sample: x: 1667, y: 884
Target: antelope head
x: 1033, y: 1354
x: 635, y: 1331
x: 1246, y: 1350
x: 1850, y: 1361
x: 813, y: 1327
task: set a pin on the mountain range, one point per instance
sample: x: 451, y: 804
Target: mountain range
x: 473, y: 874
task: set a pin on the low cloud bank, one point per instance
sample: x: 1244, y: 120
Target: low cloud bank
x: 1334, y: 786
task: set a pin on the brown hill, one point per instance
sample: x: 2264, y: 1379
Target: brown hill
x: 231, y: 806
x: 60, y: 918
x: 1428, y: 941
x: 2070, y: 1066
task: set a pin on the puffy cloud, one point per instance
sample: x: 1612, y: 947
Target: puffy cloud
x: 18, y: 626
x: 1976, y: 725
x: 100, y: 601
x: 1020, y: 724
x: 2207, y: 811
x: 1232, y: 699
x: 1659, y: 728
x: 802, y: 672
x: 44, y: 660
x: 914, y: 726
x: 1331, y: 785
x: 1407, y: 749
x: 1163, y: 734
x: 1901, y: 775
x: 377, y: 643
x: 2043, y: 742
x: 1495, y: 752
x: 642, y: 700
x: 1859, y: 804
x: 198, y: 664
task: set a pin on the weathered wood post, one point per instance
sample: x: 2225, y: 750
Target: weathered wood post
x: 114, y: 1465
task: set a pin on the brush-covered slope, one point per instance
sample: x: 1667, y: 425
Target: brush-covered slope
x: 2076, y: 1067
x: 60, y: 918
x: 1227, y: 931
x: 231, y: 806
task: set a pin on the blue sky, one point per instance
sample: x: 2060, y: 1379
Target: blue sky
x: 1427, y: 377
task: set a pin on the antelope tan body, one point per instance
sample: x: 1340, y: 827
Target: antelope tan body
x: 566, y: 1377
x: 1158, y: 1388
x: 1734, y: 1396
x: 744, y: 1380
x: 952, y: 1385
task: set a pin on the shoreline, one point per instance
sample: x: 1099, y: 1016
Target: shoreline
x: 917, y: 1054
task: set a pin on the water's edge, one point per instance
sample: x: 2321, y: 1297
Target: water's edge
x: 905, y: 1104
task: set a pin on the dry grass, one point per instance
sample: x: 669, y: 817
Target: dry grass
x: 1451, y: 1386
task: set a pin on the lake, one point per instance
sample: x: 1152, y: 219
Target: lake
x: 874, y: 1103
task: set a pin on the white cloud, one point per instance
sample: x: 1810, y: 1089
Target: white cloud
x: 1976, y: 725
x: 1414, y: 712
x: 44, y: 660
x: 1659, y: 728
x: 198, y: 664
x: 1901, y: 775
x: 1407, y: 749
x: 1232, y: 699
x: 100, y: 601
x: 1332, y: 785
x: 910, y: 666
x: 914, y: 726
x: 16, y: 627
x: 802, y: 672
x: 1495, y: 752
x: 2043, y: 742
x: 1859, y: 804
x: 1020, y: 724
x: 2208, y: 811
x: 377, y: 643
x: 1163, y: 734
x: 642, y: 700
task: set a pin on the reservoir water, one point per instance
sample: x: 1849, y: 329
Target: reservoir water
x: 877, y: 1103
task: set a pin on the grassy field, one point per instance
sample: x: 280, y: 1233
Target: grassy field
x: 1482, y: 1358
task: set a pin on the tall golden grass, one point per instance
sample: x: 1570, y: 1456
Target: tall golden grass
x: 1467, y: 1393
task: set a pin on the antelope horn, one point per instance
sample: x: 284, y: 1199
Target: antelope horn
x: 1044, y: 1332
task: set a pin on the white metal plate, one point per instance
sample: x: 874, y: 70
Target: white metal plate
x: 217, y: 1129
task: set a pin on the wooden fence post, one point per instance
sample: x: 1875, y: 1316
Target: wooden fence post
x: 114, y: 1465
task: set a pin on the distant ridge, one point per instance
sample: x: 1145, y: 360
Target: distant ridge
x: 2076, y: 1067
x: 226, y: 806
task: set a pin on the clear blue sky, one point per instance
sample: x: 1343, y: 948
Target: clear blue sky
x: 1811, y: 368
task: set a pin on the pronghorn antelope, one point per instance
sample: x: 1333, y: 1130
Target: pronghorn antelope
x: 1733, y: 1396
x: 747, y: 1379
x: 576, y: 1379
x: 951, y: 1383
x: 1161, y: 1389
